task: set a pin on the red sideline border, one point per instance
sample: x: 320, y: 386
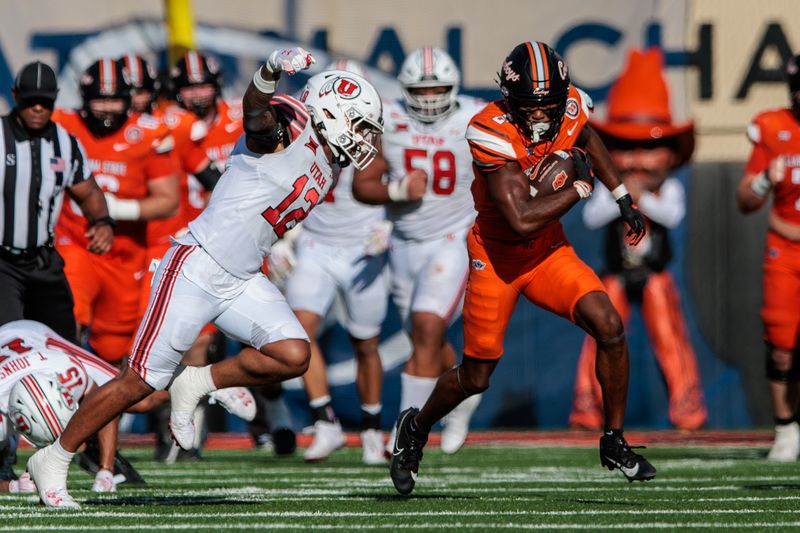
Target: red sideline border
x: 760, y: 438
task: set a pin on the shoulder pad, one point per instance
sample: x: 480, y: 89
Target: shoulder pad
x: 164, y: 145
x: 198, y: 131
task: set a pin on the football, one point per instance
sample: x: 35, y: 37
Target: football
x: 555, y: 172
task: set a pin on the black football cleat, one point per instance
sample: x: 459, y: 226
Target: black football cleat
x: 616, y: 453
x: 284, y: 441
x: 406, y: 454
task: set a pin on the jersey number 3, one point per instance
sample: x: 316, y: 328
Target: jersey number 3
x: 282, y: 220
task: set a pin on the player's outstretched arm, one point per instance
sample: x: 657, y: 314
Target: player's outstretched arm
x: 264, y: 135
x: 510, y: 189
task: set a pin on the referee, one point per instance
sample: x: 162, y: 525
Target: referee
x: 39, y: 161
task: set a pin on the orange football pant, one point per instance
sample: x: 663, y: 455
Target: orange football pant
x: 106, y: 291
x: 780, y: 311
x: 545, y: 270
x: 669, y: 336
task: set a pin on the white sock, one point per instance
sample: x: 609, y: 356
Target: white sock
x: 415, y: 390
x: 205, y: 374
x: 320, y: 402
x: 60, y: 454
x: 372, y: 408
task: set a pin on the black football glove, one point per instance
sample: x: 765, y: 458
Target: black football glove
x: 633, y: 218
x: 583, y: 166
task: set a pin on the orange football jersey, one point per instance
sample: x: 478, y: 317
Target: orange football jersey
x: 777, y: 133
x: 188, y: 131
x: 217, y: 146
x: 122, y: 163
x: 495, y: 142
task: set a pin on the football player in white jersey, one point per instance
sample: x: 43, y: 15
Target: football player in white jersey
x: 28, y: 347
x: 429, y: 167
x: 341, y: 250
x: 278, y: 171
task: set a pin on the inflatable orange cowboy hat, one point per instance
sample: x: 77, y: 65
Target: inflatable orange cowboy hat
x: 638, y: 109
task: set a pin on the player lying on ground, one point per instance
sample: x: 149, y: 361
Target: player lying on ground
x: 43, y: 379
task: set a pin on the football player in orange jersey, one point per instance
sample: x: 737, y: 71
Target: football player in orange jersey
x: 133, y: 161
x: 517, y: 246
x: 774, y: 167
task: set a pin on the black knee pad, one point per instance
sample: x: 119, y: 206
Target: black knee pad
x: 783, y: 376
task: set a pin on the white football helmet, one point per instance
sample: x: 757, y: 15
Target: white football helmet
x: 348, y: 65
x: 347, y: 111
x: 40, y: 408
x: 424, y: 68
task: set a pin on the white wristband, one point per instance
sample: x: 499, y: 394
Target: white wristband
x: 398, y: 190
x: 619, y: 191
x: 265, y: 86
x: 761, y: 185
x: 122, y: 209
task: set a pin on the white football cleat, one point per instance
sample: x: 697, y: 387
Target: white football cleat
x: 389, y: 449
x: 22, y: 485
x: 50, y: 476
x: 104, y: 482
x: 185, y: 392
x: 456, y: 424
x: 328, y: 437
x: 238, y: 401
x: 786, y: 447
x: 372, y: 447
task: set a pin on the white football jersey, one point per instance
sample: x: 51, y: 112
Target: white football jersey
x: 258, y: 199
x: 441, y: 150
x: 20, y: 342
x: 341, y: 220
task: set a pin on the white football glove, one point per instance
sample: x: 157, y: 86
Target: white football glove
x: 378, y: 239
x: 290, y: 60
x: 281, y: 262
x: 104, y: 481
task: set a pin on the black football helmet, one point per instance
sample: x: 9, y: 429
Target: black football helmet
x: 792, y: 72
x: 105, y: 79
x: 534, y: 75
x: 143, y: 78
x: 196, y: 69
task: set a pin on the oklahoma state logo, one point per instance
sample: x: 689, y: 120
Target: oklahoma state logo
x: 559, y: 180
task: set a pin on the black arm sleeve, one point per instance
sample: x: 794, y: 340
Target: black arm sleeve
x: 208, y: 177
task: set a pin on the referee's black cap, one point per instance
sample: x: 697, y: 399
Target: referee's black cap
x: 36, y: 80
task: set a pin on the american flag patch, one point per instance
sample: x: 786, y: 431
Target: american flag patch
x: 57, y: 164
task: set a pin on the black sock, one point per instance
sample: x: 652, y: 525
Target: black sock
x: 613, y: 432
x: 784, y: 421
x: 324, y: 413
x: 370, y: 420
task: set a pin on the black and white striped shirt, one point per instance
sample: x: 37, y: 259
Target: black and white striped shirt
x: 33, y: 174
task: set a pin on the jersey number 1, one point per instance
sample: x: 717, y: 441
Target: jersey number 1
x: 282, y: 221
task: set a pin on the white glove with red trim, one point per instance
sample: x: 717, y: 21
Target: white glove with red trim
x: 290, y: 60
